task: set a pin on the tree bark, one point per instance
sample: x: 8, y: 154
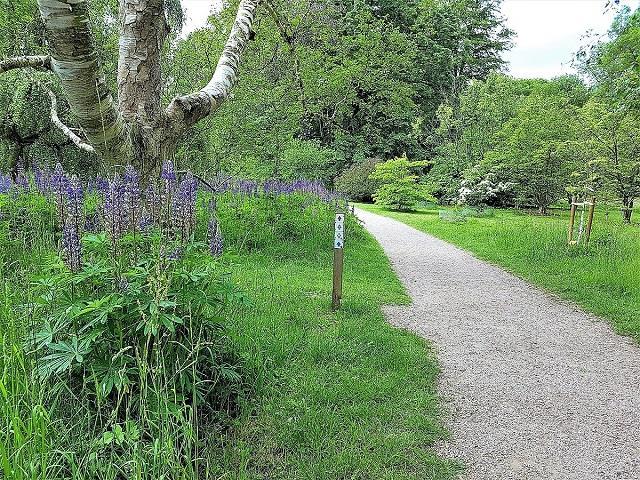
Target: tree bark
x: 627, y: 209
x: 55, y: 119
x: 75, y: 62
x: 32, y: 61
x: 137, y: 130
x: 143, y: 30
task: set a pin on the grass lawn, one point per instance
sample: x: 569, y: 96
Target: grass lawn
x: 338, y: 396
x: 603, y: 278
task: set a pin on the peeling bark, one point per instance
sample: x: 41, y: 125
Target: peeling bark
x: 143, y: 30
x: 75, y: 62
x: 185, y: 111
x: 29, y: 61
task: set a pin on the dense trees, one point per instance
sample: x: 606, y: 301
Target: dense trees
x: 325, y: 87
x: 535, y: 142
x: 363, y: 79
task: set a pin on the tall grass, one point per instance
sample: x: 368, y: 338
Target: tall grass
x: 321, y: 395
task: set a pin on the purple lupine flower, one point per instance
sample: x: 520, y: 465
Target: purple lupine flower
x: 114, y: 211
x: 168, y: 173
x: 245, y: 187
x: 71, y: 248
x: 100, y: 185
x: 75, y: 198
x: 184, y: 206
x: 5, y: 183
x: 175, y: 254
x: 74, y: 191
x: 59, y: 180
x: 168, y: 185
x: 190, y: 196
x: 146, y: 221
x: 132, y: 196
x: 42, y: 178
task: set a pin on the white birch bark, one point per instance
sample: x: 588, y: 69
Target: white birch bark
x: 150, y: 135
x: 28, y: 61
x: 75, y: 62
x: 183, y: 112
x: 55, y: 119
x: 143, y: 30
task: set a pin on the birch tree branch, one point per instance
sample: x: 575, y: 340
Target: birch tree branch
x: 27, y: 61
x: 185, y: 111
x: 77, y: 141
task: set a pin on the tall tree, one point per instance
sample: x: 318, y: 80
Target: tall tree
x: 532, y: 148
x: 612, y: 138
x: 467, y: 129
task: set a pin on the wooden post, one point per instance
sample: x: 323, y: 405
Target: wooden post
x: 338, y: 261
x: 572, y: 220
x: 592, y: 209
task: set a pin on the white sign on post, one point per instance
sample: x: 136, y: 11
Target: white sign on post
x: 339, y: 237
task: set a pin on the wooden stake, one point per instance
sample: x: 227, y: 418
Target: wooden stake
x: 592, y: 209
x: 572, y: 220
x: 338, y: 265
x: 338, y: 261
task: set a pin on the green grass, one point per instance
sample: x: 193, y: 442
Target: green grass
x: 324, y: 395
x: 343, y: 395
x: 603, y: 278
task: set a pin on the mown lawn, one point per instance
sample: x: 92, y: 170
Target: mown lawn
x: 340, y: 395
x: 603, y: 278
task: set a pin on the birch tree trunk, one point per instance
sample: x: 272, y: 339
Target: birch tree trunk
x: 75, y: 61
x: 137, y: 130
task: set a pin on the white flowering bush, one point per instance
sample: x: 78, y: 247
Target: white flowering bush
x: 483, y: 191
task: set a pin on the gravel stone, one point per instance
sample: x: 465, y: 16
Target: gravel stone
x: 533, y: 387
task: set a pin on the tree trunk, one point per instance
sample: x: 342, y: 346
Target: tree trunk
x: 627, y: 209
x: 75, y: 62
x: 143, y: 30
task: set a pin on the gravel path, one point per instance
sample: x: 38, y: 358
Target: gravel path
x: 535, y: 387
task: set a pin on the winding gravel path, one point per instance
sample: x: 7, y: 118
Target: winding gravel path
x: 535, y: 388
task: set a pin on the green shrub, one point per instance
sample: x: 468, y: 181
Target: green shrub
x: 308, y: 160
x: 355, y: 182
x: 399, y: 188
x: 112, y: 323
x: 127, y: 359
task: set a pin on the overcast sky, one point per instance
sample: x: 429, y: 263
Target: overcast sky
x: 548, y: 32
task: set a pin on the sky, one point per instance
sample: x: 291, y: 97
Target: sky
x: 548, y: 32
x: 197, y: 13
